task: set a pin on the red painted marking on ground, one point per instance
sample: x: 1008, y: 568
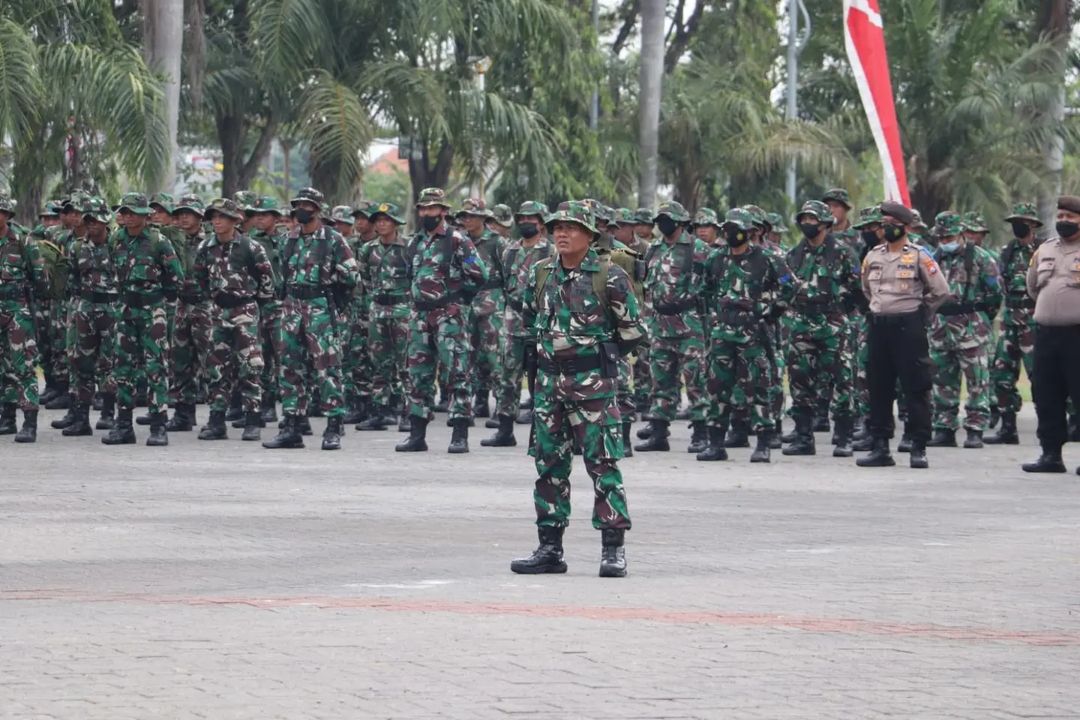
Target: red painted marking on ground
x: 847, y: 626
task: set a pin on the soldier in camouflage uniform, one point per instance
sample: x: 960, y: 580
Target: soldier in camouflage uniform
x: 148, y: 274
x: 234, y: 271
x: 385, y: 269
x: 586, y: 317
x: 501, y: 221
x: 265, y: 217
x: 746, y: 285
x: 22, y: 275
x: 630, y: 231
x: 975, y: 230
x: 828, y: 277
x: 162, y: 206
x: 486, y: 316
x: 1016, y: 339
x: 51, y: 318
x: 356, y: 367
x: 447, y: 272
x: 843, y: 231
x: 519, y: 340
x: 960, y: 334
x: 706, y: 227
x: 674, y: 280
x: 774, y: 239
x: 319, y: 277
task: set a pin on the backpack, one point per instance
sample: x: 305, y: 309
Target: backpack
x: 599, y: 283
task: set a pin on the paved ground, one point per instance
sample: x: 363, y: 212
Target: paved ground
x: 219, y: 580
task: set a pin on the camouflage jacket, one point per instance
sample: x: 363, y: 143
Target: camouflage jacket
x: 234, y: 274
x: 1013, y: 265
x: 490, y: 247
x: 742, y: 292
x: 56, y: 245
x: 321, y: 259
x: 93, y: 270
x: 829, y: 283
x: 445, y: 268
x: 974, y: 282
x: 384, y: 270
x: 146, y: 263
x: 22, y: 268
x: 518, y: 262
x: 674, y: 281
x: 273, y: 244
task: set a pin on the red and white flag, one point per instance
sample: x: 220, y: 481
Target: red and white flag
x: 865, y: 42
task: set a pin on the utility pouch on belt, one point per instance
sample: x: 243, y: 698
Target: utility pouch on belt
x: 609, y: 360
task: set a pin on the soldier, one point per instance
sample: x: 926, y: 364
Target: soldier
x: 22, y: 274
x: 745, y: 285
x: 674, y: 280
x: 903, y: 285
x: 319, y: 276
x: 1053, y: 279
x: 587, y: 317
x: 706, y: 227
x: 827, y: 275
x: 148, y: 273
x: 643, y: 225
x: 51, y: 316
x: 501, y: 221
x: 356, y: 362
x: 975, y: 230
x: 234, y: 271
x: 1016, y: 338
x: 486, y: 316
x: 519, y: 340
x: 244, y: 199
x: 265, y: 218
x: 774, y: 239
x: 840, y: 207
x: 447, y: 271
x: 162, y: 206
x: 385, y: 269
x: 960, y: 334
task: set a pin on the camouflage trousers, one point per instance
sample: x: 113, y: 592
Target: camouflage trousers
x: 508, y: 398
x: 674, y: 361
x: 356, y: 365
x: 815, y: 365
x: 1015, y: 347
x: 269, y: 331
x: 437, y: 337
x: 92, y: 352
x: 485, y: 329
x: 18, y: 355
x: 777, y: 367
x: 191, y: 343
x: 958, y: 349
x: 642, y: 375
x: 235, y: 358
x: 739, y: 375
x: 50, y: 320
x: 388, y: 344
x: 310, y: 351
x: 563, y: 418
x: 142, y: 344
x: 861, y: 394
x: 624, y: 397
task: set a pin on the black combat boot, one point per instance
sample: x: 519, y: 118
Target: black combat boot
x: 842, y: 437
x: 699, y: 437
x: 50, y: 389
x: 303, y: 425
x: 28, y: 432
x: 145, y: 419
x: 7, y: 419
x: 417, y: 440
x: 62, y: 401
x: 918, y: 459
x: 612, y: 553
x: 404, y: 423
x: 974, y: 440
x: 66, y: 421
x: 215, y: 427
x: 804, y: 437
x: 354, y: 411
x: 862, y: 431
x: 1049, y: 462
x: 866, y: 442
x: 183, y: 419
x: 108, y: 412
x: 252, y: 424
x: 715, y: 451
x: 821, y: 422
x: 943, y: 438
x: 1006, y: 434
x: 288, y: 436
x: 492, y: 423
x: 905, y: 442
x: 158, y: 436
x: 481, y: 409
x: 504, y: 437
x: 81, y: 426
x: 236, y: 406
x: 547, y: 558
x: 379, y: 419
x: 628, y: 446
x: 879, y: 455
x: 268, y: 408
x: 644, y: 433
x: 762, y: 452
x: 658, y: 439
x: 525, y: 415
x: 995, y: 416
x: 788, y: 438
x: 738, y: 436
x: 459, y: 439
x: 331, y: 437
x: 121, y: 433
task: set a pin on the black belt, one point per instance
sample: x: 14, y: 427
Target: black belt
x: 675, y: 308
x: 737, y: 316
x: 950, y: 309
x: 137, y: 300
x: 571, y: 366
x: 96, y: 296
x: 895, y: 319
x: 227, y: 301
x: 192, y: 297
x: 389, y: 298
x: 305, y: 292
x: 436, y: 304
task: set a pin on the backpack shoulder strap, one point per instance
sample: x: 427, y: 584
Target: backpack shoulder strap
x: 543, y: 270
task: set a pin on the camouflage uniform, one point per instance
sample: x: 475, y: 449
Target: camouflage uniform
x: 1016, y: 338
x: 960, y: 334
x: 51, y: 310
x: 855, y: 307
x: 642, y: 371
x: 356, y: 366
x: 273, y: 243
x: 193, y: 323
x: 486, y: 315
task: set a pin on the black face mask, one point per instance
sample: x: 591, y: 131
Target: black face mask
x: 894, y: 232
x: 430, y: 222
x: 667, y: 225
x: 528, y: 230
x: 870, y: 238
x: 809, y: 231
x: 1020, y: 229
x: 304, y: 216
x: 1066, y: 229
x: 735, y: 236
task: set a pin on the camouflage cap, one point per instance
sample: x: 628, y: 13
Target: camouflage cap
x: 266, y: 204
x: 362, y: 208
x: 163, y: 201
x: 474, y: 206
x: 192, y: 203
x: 7, y: 205
x: 706, y: 216
x: 308, y: 194
x: 623, y: 216
x: 1025, y: 211
x: 817, y: 210
x: 390, y: 210
x: 776, y: 220
x: 74, y: 202
x: 245, y: 198
x: 432, y: 197
x: 225, y: 206
x: 342, y: 214
x: 136, y: 203
x: 673, y: 210
x: 740, y: 218
x: 503, y: 215
x: 758, y: 215
x: 869, y: 216
x: 575, y: 211
x: 948, y: 223
x: 839, y: 195
x: 643, y: 216
x: 531, y: 208
x: 52, y: 209
x: 97, y: 209
x: 975, y: 222
x: 917, y: 221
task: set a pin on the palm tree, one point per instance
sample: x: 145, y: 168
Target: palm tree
x: 652, y: 74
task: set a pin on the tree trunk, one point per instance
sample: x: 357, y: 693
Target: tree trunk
x: 163, y: 38
x: 422, y: 174
x: 1054, y: 25
x: 652, y: 73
